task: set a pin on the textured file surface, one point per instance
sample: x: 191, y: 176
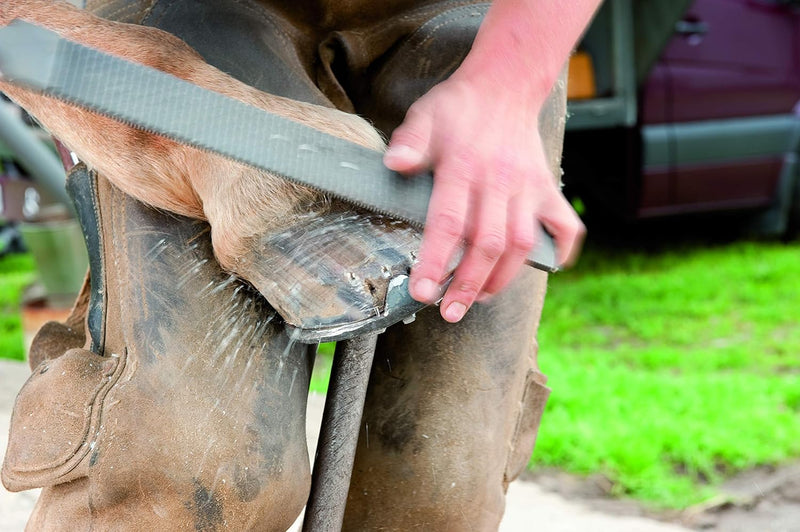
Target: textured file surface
x: 154, y: 101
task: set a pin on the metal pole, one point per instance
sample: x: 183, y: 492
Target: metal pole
x: 341, y: 422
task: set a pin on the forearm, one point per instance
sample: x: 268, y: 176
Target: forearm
x: 525, y: 43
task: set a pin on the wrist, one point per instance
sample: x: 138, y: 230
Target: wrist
x: 498, y: 72
x: 523, y: 45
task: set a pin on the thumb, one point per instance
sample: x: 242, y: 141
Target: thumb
x: 408, y: 150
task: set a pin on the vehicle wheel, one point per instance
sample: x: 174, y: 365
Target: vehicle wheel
x: 793, y: 218
x: 782, y: 219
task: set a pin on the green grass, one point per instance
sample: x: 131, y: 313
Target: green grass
x: 322, y: 368
x: 673, y: 371
x: 16, y: 272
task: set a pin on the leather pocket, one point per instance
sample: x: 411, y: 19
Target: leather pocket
x: 534, y: 399
x: 55, y: 338
x: 56, y: 418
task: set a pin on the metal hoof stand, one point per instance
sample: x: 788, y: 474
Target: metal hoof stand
x: 341, y: 421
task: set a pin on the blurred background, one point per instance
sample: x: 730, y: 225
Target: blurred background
x: 673, y: 347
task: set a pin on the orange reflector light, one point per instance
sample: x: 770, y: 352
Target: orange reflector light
x: 581, y: 84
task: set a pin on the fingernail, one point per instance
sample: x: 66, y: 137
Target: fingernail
x: 427, y: 290
x: 401, y: 152
x: 455, y: 312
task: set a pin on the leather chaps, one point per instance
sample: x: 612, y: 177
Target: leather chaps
x: 173, y: 400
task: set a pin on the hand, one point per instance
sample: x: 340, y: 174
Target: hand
x: 492, y: 185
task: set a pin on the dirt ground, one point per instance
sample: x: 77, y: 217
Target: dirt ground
x: 765, y: 499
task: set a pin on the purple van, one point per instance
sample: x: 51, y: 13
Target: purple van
x: 711, y: 124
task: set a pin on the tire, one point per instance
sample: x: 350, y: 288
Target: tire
x: 792, y: 231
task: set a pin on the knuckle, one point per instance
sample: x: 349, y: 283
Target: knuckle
x: 490, y: 245
x: 522, y: 241
x: 409, y: 136
x: 509, y: 163
x: 463, y: 163
x: 418, y: 110
x: 468, y: 287
x: 448, y: 223
x: 508, y: 168
x: 407, y: 131
x: 465, y: 153
x: 504, y: 181
x: 575, y: 226
x: 572, y: 225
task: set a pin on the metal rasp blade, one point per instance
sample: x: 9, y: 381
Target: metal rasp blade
x: 154, y: 101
